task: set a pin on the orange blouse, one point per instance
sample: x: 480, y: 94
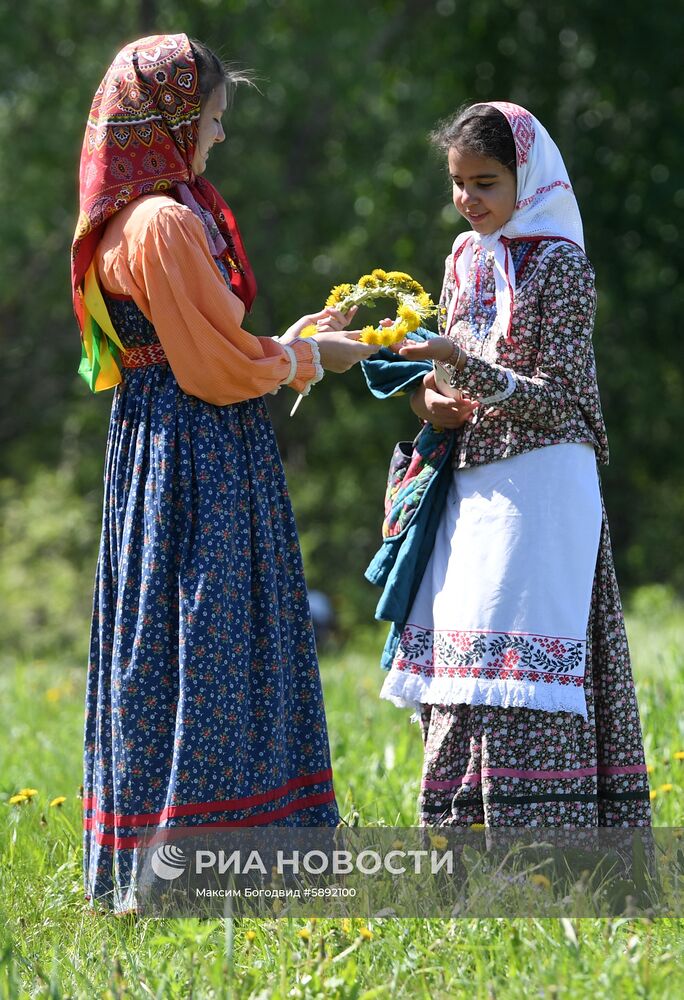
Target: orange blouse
x: 156, y: 251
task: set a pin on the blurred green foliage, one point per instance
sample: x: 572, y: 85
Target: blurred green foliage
x: 329, y: 172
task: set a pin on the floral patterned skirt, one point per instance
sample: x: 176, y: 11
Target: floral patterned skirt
x: 507, y: 767
x: 204, y: 705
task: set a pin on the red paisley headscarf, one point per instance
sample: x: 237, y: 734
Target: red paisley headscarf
x: 140, y: 139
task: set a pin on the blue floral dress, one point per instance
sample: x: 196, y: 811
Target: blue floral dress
x: 204, y: 703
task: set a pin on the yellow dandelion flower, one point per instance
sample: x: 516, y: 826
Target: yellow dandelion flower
x: 400, y: 276
x: 367, y: 281
x: 369, y: 335
x: 250, y: 935
x: 679, y: 755
x: 652, y: 794
x: 438, y: 841
x: 58, y: 801
x: 409, y: 316
x: 540, y: 880
x: 347, y: 925
x: 378, y: 273
x: 665, y: 788
x: 17, y: 800
x: 649, y: 769
x: 338, y: 293
x: 304, y: 933
x: 424, y: 301
x: 53, y: 694
x: 366, y: 933
x: 28, y: 792
x: 477, y: 826
x: 309, y: 330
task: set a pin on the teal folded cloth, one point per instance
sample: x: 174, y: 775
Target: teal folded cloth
x: 417, y: 487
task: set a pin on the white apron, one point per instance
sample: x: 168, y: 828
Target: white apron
x: 501, y: 614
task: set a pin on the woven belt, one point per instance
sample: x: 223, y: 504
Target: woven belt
x: 140, y: 357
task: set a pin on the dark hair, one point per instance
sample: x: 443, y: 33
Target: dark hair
x: 479, y: 129
x: 212, y: 71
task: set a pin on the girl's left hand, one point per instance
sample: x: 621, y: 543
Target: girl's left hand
x: 429, y: 404
x: 335, y: 319
x: 435, y: 349
x: 311, y: 319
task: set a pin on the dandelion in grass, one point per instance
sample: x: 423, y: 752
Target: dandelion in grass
x: 366, y: 933
x: 18, y: 800
x: 58, y: 801
x: 304, y: 933
x: 347, y: 925
x: 438, y: 841
x: 250, y: 936
x: 652, y: 794
x: 541, y: 880
x: 679, y: 755
x: 667, y: 787
x: 649, y: 769
x: 28, y: 792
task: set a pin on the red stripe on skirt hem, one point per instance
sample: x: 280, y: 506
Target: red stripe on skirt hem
x: 221, y: 805
x: 260, y: 819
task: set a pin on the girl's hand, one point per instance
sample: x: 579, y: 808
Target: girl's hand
x: 341, y: 351
x: 442, y: 411
x: 435, y: 349
x: 335, y: 319
x: 293, y: 331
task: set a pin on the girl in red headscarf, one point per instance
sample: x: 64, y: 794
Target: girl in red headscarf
x: 203, y: 697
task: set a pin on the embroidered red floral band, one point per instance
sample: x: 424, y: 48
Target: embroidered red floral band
x: 140, y: 357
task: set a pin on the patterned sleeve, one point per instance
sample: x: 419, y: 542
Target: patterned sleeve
x: 549, y: 396
x: 192, y: 310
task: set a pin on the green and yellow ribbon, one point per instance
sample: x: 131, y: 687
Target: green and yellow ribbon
x: 100, y: 345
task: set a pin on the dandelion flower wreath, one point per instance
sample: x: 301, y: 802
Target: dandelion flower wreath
x: 415, y: 304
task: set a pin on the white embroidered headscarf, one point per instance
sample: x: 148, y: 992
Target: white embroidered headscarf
x: 545, y: 207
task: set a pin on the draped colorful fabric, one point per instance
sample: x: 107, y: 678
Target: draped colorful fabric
x: 140, y: 139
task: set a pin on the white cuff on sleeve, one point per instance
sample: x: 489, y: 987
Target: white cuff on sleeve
x: 292, y: 358
x: 498, y: 397
x: 317, y: 365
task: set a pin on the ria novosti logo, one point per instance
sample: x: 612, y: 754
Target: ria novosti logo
x: 168, y: 862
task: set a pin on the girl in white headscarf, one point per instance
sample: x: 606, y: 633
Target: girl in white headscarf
x: 515, y: 651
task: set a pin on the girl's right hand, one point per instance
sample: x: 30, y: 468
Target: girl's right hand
x: 341, y: 350
x: 442, y: 411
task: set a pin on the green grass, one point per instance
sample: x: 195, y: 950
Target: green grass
x: 52, y: 945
